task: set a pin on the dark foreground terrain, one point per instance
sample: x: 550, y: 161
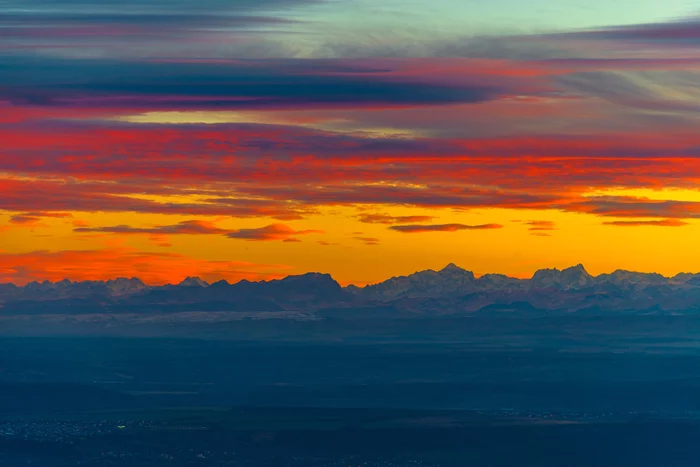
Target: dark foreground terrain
x: 343, y: 437
x: 601, y: 392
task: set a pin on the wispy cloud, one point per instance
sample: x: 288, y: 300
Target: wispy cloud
x: 191, y: 227
x: 371, y: 241
x: 539, y: 227
x: 683, y: 32
x: 148, y: 85
x: 443, y: 227
x: 653, y: 223
x: 33, y: 218
x: 133, y: 26
x: 628, y: 206
x: 378, y: 218
x: 272, y: 232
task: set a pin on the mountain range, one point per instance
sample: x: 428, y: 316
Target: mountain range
x: 449, y: 291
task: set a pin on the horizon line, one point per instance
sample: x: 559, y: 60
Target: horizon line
x: 348, y: 284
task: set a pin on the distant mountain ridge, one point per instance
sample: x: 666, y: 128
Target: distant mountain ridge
x: 451, y: 290
x: 453, y: 279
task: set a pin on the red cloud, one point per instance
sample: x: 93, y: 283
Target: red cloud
x: 286, y: 172
x: 442, y: 227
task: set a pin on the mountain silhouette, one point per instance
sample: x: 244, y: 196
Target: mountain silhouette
x: 451, y: 290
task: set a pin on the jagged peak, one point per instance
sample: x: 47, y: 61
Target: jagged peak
x: 685, y: 276
x: 578, y: 271
x: 455, y: 271
x: 451, y: 267
x: 578, y: 267
x: 190, y: 281
x: 545, y: 272
x: 553, y: 271
x: 572, y: 277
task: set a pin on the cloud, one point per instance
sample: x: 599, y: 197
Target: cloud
x: 227, y: 152
x: 33, y: 218
x: 54, y: 195
x: 629, y: 206
x: 174, y: 28
x: 105, y: 264
x: 388, y: 219
x: 272, y: 232
x: 681, y: 32
x: 539, y: 226
x: 642, y: 223
x: 442, y: 227
x: 160, y: 240
x: 371, y: 241
x: 158, y: 234
x: 288, y: 173
x: 324, y: 243
x: 190, y: 227
x: 53, y: 82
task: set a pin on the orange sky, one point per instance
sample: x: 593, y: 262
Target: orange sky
x: 345, y: 248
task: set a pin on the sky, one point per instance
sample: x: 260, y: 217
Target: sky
x: 254, y: 139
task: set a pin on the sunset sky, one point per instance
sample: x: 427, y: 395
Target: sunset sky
x: 363, y: 138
